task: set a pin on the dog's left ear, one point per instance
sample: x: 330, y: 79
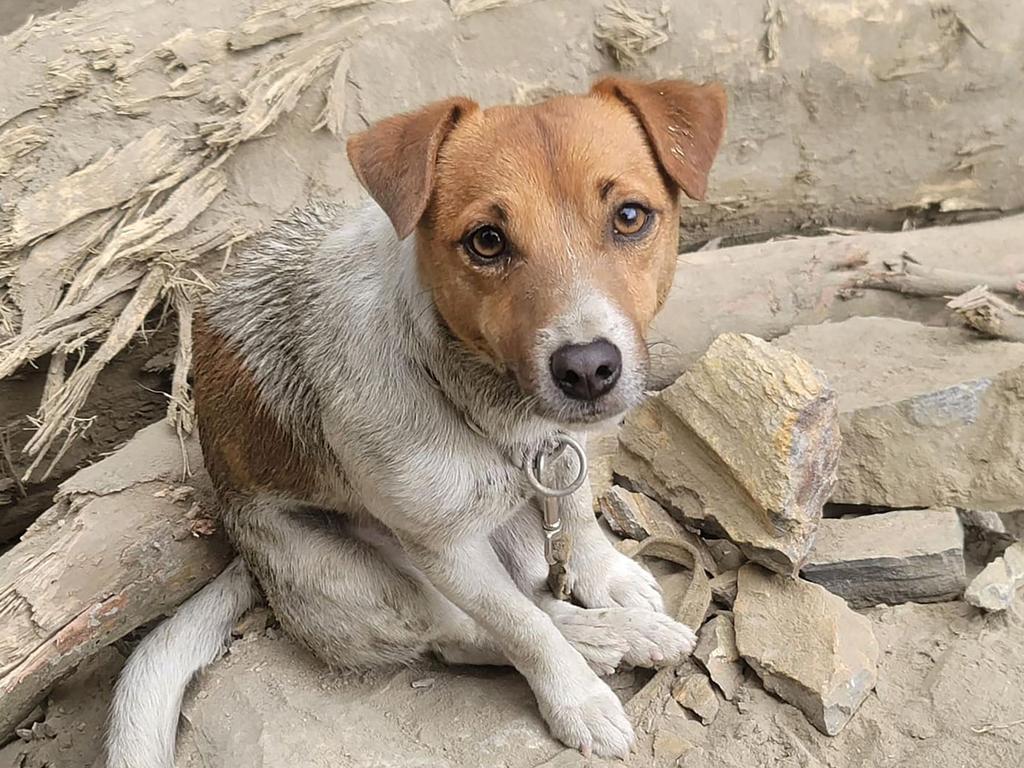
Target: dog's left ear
x: 684, y: 123
x: 395, y: 158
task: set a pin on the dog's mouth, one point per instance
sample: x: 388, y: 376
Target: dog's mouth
x: 572, y: 414
x: 548, y: 401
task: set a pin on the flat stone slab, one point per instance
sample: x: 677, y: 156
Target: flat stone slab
x: 806, y: 645
x: 893, y: 557
x: 926, y: 413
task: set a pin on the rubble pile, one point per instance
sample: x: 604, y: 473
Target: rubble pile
x: 840, y: 467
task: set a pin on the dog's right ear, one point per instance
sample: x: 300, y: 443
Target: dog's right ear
x: 395, y: 158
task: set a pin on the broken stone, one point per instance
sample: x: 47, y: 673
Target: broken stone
x: 983, y: 520
x: 727, y: 555
x: 914, y: 555
x: 993, y: 589
x: 723, y: 588
x: 807, y: 646
x: 669, y: 747
x: 716, y: 651
x: 986, y: 535
x: 745, y: 445
x: 634, y: 515
x: 694, y: 693
x: 926, y: 413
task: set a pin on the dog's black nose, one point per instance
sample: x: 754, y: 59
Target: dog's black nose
x: 586, y: 371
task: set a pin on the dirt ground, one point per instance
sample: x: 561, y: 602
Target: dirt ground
x: 950, y: 695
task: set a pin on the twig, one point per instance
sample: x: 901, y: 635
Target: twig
x: 989, y: 727
x: 5, y: 451
x: 628, y: 33
x: 57, y: 413
x: 986, y: 313
x: 910, y: 277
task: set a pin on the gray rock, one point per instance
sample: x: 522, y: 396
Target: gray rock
x: 926, y: 413
x: 806, y: 645
x: 727, y: 555
x: 693, y: 692
x: 716, y: 651
x: 893, y: 557
x: 723, y: 588
x: 993, y: 589
x: 634, y: 515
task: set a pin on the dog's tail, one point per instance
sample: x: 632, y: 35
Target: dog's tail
x: 147, y: 698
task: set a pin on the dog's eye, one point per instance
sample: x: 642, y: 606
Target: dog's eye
x: 630, y: 219
x: 485, y: 243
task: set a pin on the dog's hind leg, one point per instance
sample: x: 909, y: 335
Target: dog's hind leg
x: 346, y: 590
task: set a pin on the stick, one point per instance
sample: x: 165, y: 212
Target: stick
x: 909, y: 276
x: 986, y: 313
x: 117, y: 550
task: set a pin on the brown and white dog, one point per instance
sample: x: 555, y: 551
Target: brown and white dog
x: 369, y: 382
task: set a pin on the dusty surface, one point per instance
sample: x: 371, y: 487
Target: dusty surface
x: 14, y: 13
x: 951, y: 685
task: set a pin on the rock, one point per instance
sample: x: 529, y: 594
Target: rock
x: 635, y: 516
x: 807, y: 646
x: 983, y: 520
x: 894, y: 557
x: 993, y: 589
x: 669, y: 747
x: 723, y: 588
x: 694, y: 693
x: 745, y: 445
x: 727, y: 555
x: 986, y: 535
x: 716, y: 651
x: 926, y: 413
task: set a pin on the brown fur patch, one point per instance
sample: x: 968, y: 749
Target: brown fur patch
x: 245, y: 448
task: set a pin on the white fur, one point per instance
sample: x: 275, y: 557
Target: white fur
x: 148, y: 695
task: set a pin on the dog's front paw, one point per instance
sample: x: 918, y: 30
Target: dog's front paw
x: 589, y: 718
x: 612, y: 579
x: 655, y: 640
x: 609, y: 637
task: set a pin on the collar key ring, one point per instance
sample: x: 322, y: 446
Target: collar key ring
x: 557, y: 543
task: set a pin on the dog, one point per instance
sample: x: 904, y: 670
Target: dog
x: 369, y: 385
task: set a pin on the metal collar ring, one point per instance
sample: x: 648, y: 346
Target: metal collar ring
x: 535, y: 467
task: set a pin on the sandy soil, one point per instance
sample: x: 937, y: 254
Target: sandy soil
x: 950, y: 694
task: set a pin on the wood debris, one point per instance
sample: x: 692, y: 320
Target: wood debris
x: 113, y: 179
x: 16, y: 143
x: 628, y: 33
x: 988, y: 314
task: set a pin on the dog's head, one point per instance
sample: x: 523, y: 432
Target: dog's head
x: 548, y: 233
